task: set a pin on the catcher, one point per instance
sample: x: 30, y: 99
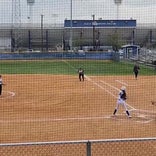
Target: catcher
x: 122, y: 101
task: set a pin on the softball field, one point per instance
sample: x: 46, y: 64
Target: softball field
x: 36, y: 108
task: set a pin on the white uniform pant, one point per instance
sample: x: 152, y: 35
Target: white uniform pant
x: 121, y: 102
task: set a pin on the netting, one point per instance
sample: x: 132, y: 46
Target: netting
x: 43, y: 43
x: 41, y: 25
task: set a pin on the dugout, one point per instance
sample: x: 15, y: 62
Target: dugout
x: 130, y: 51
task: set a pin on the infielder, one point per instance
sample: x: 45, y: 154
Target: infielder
x: 122, y: 101
x: 81, y: 74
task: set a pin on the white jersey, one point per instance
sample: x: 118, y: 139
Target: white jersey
x: 1, y: 81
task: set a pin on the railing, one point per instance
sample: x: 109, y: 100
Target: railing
x: 107, y: 147
x: 60, y: 25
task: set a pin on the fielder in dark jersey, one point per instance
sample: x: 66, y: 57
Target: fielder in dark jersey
x: 81, y: 74
x: 136, y: 69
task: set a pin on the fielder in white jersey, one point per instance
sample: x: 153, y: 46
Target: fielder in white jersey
x: 122, y: 101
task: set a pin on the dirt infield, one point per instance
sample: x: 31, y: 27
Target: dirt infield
x: 37, y: 108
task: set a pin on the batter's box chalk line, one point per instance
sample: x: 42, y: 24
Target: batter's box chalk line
x: 139, y: 116
x: 143, y: 116
x: 7, y: 94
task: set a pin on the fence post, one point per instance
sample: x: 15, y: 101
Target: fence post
x: 88, y: 148
x: 47, y: 41
x: 29, y: 40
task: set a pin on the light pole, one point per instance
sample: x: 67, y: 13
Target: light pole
x: 54, y: 16
x: 42, y: 33
x: 117, y: 3
x: 71, y: 26
x: 93, y: 23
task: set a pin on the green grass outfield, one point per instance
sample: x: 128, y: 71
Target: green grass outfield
x: 70, y: 67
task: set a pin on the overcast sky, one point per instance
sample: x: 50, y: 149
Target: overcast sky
x: 55, y: 11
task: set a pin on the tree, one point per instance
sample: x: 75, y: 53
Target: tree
x: 114, y: 41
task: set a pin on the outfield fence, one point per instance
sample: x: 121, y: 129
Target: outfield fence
x: 107, y: 147
x: 60, y: 55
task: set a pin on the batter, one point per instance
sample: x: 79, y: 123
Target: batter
x: 122, y: 101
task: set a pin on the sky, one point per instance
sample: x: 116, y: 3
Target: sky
x: 55, y: 11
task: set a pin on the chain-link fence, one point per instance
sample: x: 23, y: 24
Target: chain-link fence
x: 110, y: 147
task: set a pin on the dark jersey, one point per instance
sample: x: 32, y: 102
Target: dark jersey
x: 136, y: 68
x: 81, y: 71
x: 123, y: 95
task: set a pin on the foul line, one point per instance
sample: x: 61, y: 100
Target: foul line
x: 117, y: 90
x: 95, y: 83
x: 122, y: 82
x: 148, y: 120
x: 89, y: 79
x: 110, y: 85
x: 54, y: 119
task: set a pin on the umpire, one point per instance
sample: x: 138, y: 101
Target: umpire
x: 81, y: 74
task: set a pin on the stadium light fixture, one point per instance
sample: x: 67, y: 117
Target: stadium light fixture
x: 117, y: 3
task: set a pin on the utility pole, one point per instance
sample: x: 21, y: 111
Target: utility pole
x: 93, y: 24
x: 117, y: 3
x: 71, y: 26
x: 41, y: 33
x: 16, y: 23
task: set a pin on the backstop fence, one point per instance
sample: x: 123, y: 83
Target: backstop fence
x: 107, y: 147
